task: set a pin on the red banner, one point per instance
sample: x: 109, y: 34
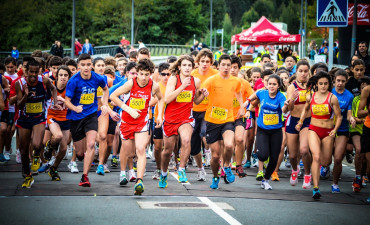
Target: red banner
x: 363, y: 14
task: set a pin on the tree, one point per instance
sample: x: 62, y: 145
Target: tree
x: 249, y: 17
x: 227, y: 24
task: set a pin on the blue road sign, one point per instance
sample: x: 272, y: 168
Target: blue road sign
x: 332, y: 13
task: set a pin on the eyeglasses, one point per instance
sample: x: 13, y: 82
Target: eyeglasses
x: 165, y: 74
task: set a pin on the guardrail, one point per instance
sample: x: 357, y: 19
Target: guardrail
x: 155, y: 50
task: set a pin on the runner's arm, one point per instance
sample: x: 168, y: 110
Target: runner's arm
x: 338, y: 115
x: 361, y: 108
x: 172, y: 93
x: 21, y: 98
x: 1, y: 99
x: 200, y: 94
x: 158, y: 95
x: 52, y: 88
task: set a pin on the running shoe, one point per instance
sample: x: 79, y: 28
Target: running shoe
x: 35, y: 162
x: 73, y: 167
x: 106, y: 169
x: 356, y: 184
x: 287, y: 162
x: 135, y: 166
x: 240, y: 172
x: 53, y: 173
x: 265, y: 163
x: 325, y: 172
x: 254, y: 160
x: 7, y: 155
x: 301, y: 166
x: 85, y: 181
x: 316, y: 193
x: 100, y: 170
x: 208, y: 156
x: 229, y: 176
x: 265, y: 185
x: 364, y: 181
x: 259, y: 176
x: 139, y: 187
x: 131, y: 176
x: 156, y: 174
x: 163, y: 181
x: 28, y: 181
x: 18, y: 157
x: 247, y: 164
x: 222, y: 172
x: 182, y: 176
x: 44, y: 168
x: 201, y: 175
x: 3, y: 161
x: 294, y: 177
x: 48, y: 151
x: 349, y: 158
x: 114, y: 162
x: 233, y: 165
x: 335, y: 189
x: 275, y: 176
x: 122, y: 179
x: 215, y: 182
x: 307, y: 182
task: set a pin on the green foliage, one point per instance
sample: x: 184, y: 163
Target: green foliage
x: 227, y: 24
x: 248, y: 17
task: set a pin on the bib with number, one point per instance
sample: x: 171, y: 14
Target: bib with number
x: 34, y: 107
x: 137, y: 103
x: 219, y: 113
x: 110, y: 105
x: 320, y: 109
x: 185, y: 96
x: 302, y: 96
x: 99, y: 92
x: 205, y: 101
x: 236, y: 103
x: 87, y: 99
x: 270, y: 119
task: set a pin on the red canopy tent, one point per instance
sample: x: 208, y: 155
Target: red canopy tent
x: 264, y: 32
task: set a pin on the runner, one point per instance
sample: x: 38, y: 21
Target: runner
x: 4, y: 118
x: 240, y: 123
x: 345, y: 99
x: 31, y: 97
x: 134, y: 125
x: 164, y: 71
x: 322, y: 131
x: 81, y: 101
x: 219, y: 115
x: 57, y: 134
x: 272, y: 104
x: 203, y: 72
x: 298, y: 141
x: 181, y: 91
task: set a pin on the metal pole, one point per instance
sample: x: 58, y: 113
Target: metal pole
x: 215, y: 44
x: 210, y: 26
x: 222, y: 38
x: 305, y: 29
x: 300, y: 31
x: 331, y: 52
x: 73, y: 30
x: 354, y: 28
x: 132, y: 23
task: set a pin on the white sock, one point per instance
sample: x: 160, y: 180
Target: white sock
x: 201, y: 169
x: 207, y: 150
x: 181, y: 168
x: 164, y: 173
x: 132, y: 171
x: 123, y: 173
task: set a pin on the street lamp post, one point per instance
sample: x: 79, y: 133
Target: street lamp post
x: 73, y: 29
x: 132, y: 23
x: 210, y: 26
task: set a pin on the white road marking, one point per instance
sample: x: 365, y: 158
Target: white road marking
x: 156, y: 205
x: 175, y: 176
x: 353, y: 170
x: 224, y: 215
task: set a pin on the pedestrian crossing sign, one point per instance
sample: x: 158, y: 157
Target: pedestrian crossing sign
x: 332, y: 13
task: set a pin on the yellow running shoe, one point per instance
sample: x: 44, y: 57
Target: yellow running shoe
x: 28, y: 181
x: 139, y: 187
x: 35, y: 162
x: 275, y: 176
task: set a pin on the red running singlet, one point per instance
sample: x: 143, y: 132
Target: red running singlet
x: 301, y: 99
x: 323, y: 110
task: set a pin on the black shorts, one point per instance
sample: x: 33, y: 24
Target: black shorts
x: 240, y: 122
x: 343, y: 133
x: 64, y: 125
x: 7, y: 117
x: 351, y: 135
x: 214, y: 132
x: 157, y: 133
x: 112, y: 127
x: 365, y: 140
x: 79, y: 128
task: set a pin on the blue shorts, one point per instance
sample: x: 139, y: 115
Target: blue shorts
x: 64, y: 125
x: 28, y: 124
x: 292, y: 121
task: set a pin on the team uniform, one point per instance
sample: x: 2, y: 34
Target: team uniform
x: 58, y: 116
x: 158, y: 132
x: 322, y: 111
x: 345, y: 102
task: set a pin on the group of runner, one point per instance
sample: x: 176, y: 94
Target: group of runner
x: 188, y: 111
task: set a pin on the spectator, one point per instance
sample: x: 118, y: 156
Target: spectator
x: 218, y: 54
x: 87, y: 48
x: 57, y: 49
x: 141, y: 44
x: 15, y: 53
x: 124, y: 42
x: 120, y: 50
x: 335, y: 53
x: 195, y: 46
x: 363, y: 54
x: 313, y: 53
x: 78, y: 47
x: 132, y: 49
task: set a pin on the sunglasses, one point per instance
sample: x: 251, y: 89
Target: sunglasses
x: 165, y: 74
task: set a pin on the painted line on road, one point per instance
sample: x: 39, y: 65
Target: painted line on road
x: 175, y: 176
x: 353, y: 170
x: 224, y: 215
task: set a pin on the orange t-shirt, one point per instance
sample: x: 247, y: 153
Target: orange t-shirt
x: 58, y: 115
x: 221, y: 95
x: 202, y: 107
x: 162, y: 88
x: 246, y: 91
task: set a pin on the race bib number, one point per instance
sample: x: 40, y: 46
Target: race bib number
x: 99, y: 92
x: 219, y: 113
x: 87, y: 99
x: 34, y: 107
x: 110, y: 105
x: 302, y: 96
x: 185, y: 96
x: 270, y: 119
x: 320, y: 109
x: 204, y: 101
x: 236, y: 103
x: 137, y: 103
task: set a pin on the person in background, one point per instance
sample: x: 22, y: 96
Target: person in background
x: 218, y: 54
x: 363, y: 54
x: 78, y: 47
x: 121, y: 50
x: 15, y: 53
x: 57, y: 49
x: 87, y: 48
x: 141, y: 44
x: 124, y: 42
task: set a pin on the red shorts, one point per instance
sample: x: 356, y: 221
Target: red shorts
x: 170, y: 129
x: 321, y: 132
x: 128, y: 131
